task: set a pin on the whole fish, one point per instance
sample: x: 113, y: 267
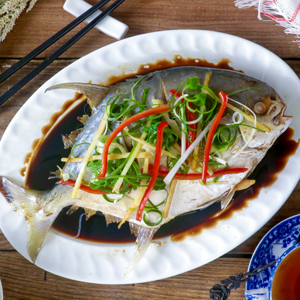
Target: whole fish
x: 249, y: 147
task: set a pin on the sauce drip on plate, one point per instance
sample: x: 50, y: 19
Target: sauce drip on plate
x: 178, y: 61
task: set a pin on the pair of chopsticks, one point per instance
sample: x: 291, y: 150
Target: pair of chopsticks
x: 59, y: 51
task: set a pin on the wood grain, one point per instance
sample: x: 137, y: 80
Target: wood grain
x: 144, y: 16
x: 23, y: 280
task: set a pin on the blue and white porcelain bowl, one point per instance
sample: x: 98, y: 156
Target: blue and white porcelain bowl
x: 278, y: 241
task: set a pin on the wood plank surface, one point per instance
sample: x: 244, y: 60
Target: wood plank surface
x: 23, y: 280
x: 144, y: 16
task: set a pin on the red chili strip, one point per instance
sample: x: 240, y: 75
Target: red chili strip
x: 113, y: 135
x: 163, y: 172
x: 82, y: 187
x: 155, y: 170
x: 173, y: 92
x: 190, y: 117
x: 211, y: 133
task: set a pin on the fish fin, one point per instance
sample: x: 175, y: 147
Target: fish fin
x: 242, y: 185
x: 83, y: 119
x: 72, y: 209
x: 69, y: 139
x: 111, y: 219
x: 38, y: 224
x: 89, y: 213
x: 4, y: 189
x: 68, y: 143
x: 226, y: 200
x: 143, y: 240
x: 37, y: 232
x: 18, y: 196
x: 94, y: 92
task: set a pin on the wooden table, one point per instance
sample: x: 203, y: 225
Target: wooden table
x: 23, y: 280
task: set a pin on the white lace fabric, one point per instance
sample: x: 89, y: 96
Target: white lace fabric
x: 285, y: 12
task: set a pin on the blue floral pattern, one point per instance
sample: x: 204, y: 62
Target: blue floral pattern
x: 280, y: 238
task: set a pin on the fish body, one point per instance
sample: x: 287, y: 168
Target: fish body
x: 42, y: 208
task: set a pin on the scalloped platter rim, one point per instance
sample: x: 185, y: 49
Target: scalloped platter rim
x: 105, y: 263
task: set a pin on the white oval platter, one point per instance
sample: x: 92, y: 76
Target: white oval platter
x: 103, y: 263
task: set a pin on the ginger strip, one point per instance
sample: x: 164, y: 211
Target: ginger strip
x: 110, y: 157
x: 141, y: 192
x: 89, y: 152
x: 170, y: 197
x: 149, y: 145
x: 244, y: 184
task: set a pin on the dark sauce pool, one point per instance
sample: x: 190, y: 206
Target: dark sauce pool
x: 49, y: 153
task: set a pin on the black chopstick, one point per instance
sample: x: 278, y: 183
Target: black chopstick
x: 50, y: 41
x: 58, y: 52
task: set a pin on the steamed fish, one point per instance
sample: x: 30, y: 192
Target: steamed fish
x: 157, y: 146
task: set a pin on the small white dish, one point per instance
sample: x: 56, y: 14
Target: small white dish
x: 109, y: 25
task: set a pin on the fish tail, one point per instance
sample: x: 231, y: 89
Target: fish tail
x: 38, y: 223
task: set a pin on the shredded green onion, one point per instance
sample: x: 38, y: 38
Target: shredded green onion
x: 152, y: 211
x: 204, y: 106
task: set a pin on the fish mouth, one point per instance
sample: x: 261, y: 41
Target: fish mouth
x: 272, y: 107
x: 280, y: 118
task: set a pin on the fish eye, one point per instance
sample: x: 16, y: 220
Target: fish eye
x: 260, y: 108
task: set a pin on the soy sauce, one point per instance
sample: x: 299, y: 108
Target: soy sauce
x: 94, y: 229
x: 265, y: 175
x: 48, y: 155
x: 178, y: 61
x: 189, y: 224
x: 286, y: 282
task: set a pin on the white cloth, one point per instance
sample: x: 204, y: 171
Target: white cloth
x: 284, y: 12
